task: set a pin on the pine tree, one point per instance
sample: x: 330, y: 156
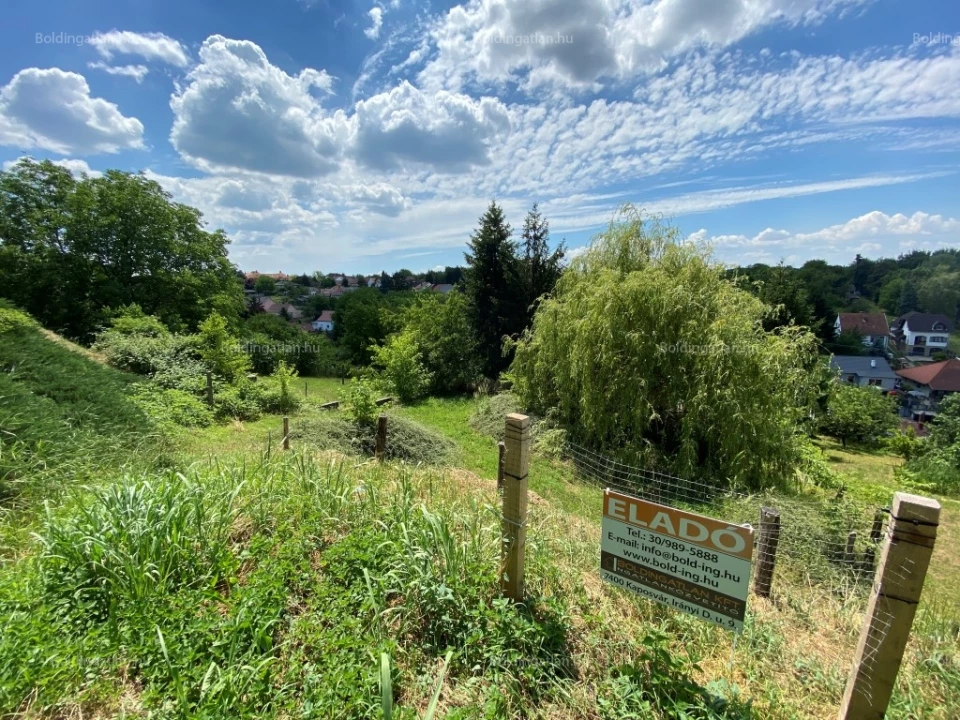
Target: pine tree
x: 540, y: 269
x: 495, y: 309
x: 908, y: 298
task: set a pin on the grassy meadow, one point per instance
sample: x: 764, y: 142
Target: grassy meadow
x: 223, y: 577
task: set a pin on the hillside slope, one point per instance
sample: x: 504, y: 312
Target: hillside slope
x: 62, y: 413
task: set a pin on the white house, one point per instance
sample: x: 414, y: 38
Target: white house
x: 921, y: 335
x: 324, y: 323
x: 871, y: 327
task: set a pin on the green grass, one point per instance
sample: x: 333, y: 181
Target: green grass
x: 249, y: 582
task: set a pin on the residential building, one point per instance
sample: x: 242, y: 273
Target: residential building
x: 872, y: 328
x: 280, y: 277
x: 927, y: 385
x: 274, y: 308
x: 921, y: 335
x: 324, y: 323
x: 865, y: 371
x: 442, y: 288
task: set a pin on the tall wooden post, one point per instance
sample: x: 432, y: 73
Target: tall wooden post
x: 286, y: 433
x: 501, y: 449
x: 516, y: 465
x: 209, y: 388
x: 906, y: 553
x: 381, y: 446
x: 766, y: 550
x: 849, y: 548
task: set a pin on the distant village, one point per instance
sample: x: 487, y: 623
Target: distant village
x: 908, y: 357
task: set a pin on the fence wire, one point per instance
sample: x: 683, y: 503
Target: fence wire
x: 836, y: 537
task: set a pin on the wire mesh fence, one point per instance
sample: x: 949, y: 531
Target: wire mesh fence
x: 833, y: 540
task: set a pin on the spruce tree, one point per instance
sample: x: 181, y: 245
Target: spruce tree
x: 491, y: 288
x: 540, y: 269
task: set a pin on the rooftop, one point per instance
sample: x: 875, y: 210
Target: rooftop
x: 943, y: 376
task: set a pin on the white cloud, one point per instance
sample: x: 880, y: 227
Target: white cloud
x: 875, y: 234
x: 52, y: 110
x: 239, y: 111
x: 150, y: 46
x: 376, y: 22
x: 582, y: 42
x: 450, y: 132
x: 137, y: 72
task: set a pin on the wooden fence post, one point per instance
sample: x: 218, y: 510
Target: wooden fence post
x: 305, y: 393
x: 381, y: 446
x: 516, y: 465
x: 501, y: 448
x: 849, y: 548
x: 904, y: 559
x: 209, y: 388
x: 766, y: 550
x: 286, y: 433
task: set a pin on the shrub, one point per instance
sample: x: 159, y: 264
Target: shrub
x: 284, y: 377
x: 361, y: 405
x: 220, y: 350
x: 862, y: 415
x: 402, y: 367
x: 905, y: 444
x: 244, y: 402
x: 12, y: 319
x: 172, y: 406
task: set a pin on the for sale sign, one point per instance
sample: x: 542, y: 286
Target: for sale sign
x: 686, y: 561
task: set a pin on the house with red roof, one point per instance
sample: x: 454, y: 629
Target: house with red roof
x: 871, y: 327
x: 927, y: 385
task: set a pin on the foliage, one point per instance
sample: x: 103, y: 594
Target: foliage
x: 360, y: 399
x: 647, y: 351
x: 172, y: 407
x: 906, y: 444
x: 439, y: 325
x: 361, y: 321
x: 283, y: 378
x: 539, y: 268
x: 938, y: 466
x: 489, y: 415
x: 269, y: 340
x: 12, y: 319
x: 72, y: 249
x: 220, y: 350
x: 495, y: 305
x: 859, y: 414
x: 245, y: 401
x: 401, y: 367
x: 265, y: 285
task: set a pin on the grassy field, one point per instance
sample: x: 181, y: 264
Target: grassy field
x: 236, y: 580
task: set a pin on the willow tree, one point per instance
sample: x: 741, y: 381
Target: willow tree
x: 646, y: 351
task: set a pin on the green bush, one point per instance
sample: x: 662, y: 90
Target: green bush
x: 174, y: 407
x: 401, y: 367
x: 245, y: 402
x: 360, y: 400
x: 859, y: 414
x: 12, y: 319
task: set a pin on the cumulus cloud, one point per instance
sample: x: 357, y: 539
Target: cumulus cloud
x: 581, y: 42
x: 137, y: 72
x: 376, y: 22
x: 150, y: 46
x: 52, y: 109
x: 875, y: 233
x: 451, y: 132
x: 239, y: 111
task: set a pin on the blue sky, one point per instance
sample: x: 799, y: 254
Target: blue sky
x: 367, y: 135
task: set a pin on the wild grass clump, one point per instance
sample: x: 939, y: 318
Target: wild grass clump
x: 134, y: 540
x: 407, y: 441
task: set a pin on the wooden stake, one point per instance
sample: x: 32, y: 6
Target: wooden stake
x: 766, y: 550
x: 876, y: 532
x: 516, y: 465
x: 286, y: 433
x: 501, y: 448
x: 381, y: 447
x: 305, y: 390
x: 904, y: 559
x: 209, y: 388
x: 848, y: 549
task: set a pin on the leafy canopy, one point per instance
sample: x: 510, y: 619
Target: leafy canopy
x: 648, y: 352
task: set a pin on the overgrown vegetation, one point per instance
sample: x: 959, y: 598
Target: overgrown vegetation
x: 647, y: 351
